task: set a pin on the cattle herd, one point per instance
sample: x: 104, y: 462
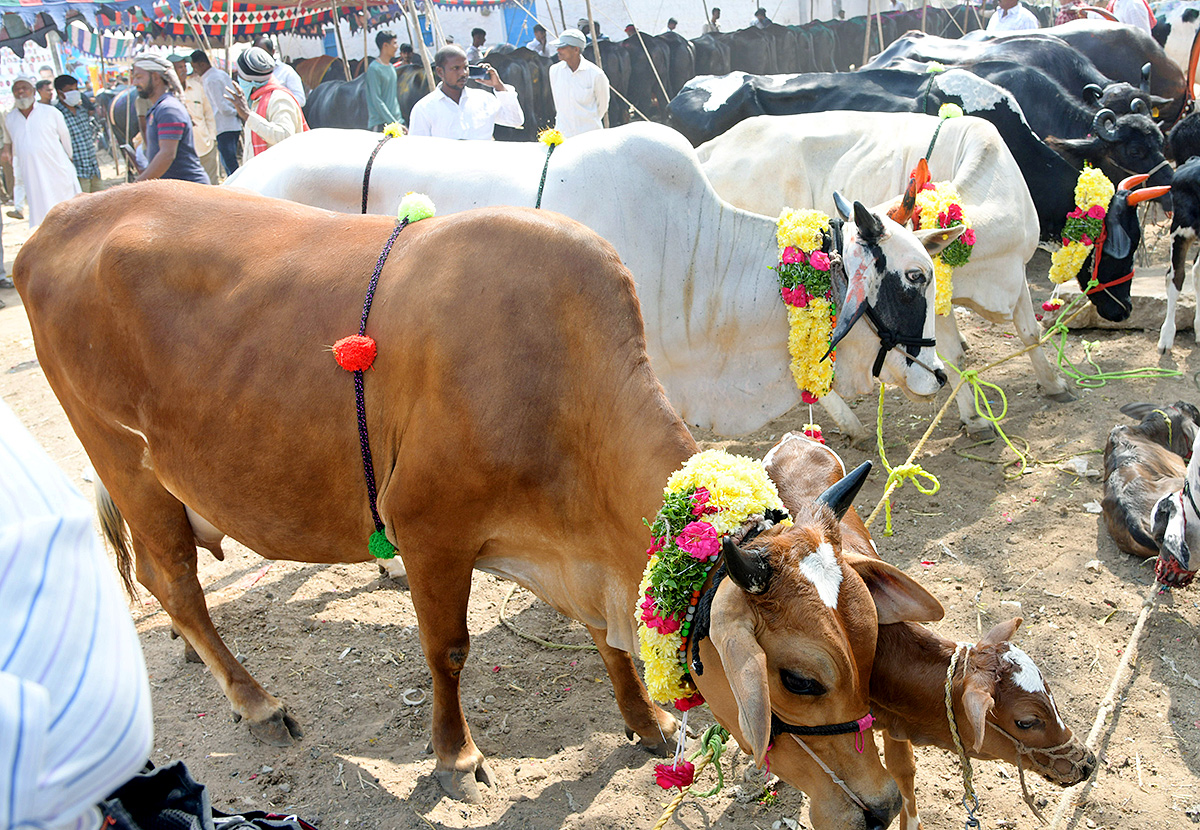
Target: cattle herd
x: 538, y: 370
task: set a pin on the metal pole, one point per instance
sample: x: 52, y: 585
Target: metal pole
x: 228, y: 37
x: 595, y: 44
x: 337, y: 31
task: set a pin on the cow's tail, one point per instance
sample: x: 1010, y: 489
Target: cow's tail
x: 112, y: 525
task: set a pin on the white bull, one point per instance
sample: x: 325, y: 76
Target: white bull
x: 767, y: 162
x: 716, y: 328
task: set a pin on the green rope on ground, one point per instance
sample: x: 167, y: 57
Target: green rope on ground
x: 908, y: 471
x: 983, y: 408
x: 713, y: 741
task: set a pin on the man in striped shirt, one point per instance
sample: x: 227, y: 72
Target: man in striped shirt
x: 75, y: 716
x: 83, y: 132
x: 169, y: 145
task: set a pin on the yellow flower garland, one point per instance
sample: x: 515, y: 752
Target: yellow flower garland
x: 930, y: 204
x: 739, y: 488
x: 809, y: 328
x: 1093, y: 188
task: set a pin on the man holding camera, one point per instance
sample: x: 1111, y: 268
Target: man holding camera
x: 454, y: 110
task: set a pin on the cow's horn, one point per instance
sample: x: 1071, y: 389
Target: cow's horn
x: 1130, y: 182
x: 1146, y: 70
x: 1094, y: 92
x: 749, y: 571
x: 1145, y: 193
x: 1104, y: 124
x: 843, y: 207
x: 841, y: 493
x: 1140, y: 107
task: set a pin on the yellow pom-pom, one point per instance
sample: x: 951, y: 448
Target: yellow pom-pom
x: 394, y: 130
x: 550, y: 137
x: 414, y: 207
x: 950, y: 111
x: 933, y: 68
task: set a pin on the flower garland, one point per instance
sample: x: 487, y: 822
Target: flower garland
x: 1093, y: 193
x: 941, y: 202
x: 804, y: 283
x: 711, y: 495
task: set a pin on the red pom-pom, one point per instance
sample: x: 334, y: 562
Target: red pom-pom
x: 355, y: 353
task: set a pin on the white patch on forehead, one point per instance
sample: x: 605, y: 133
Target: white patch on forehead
x: 821, y: 568
x: 720, y: 89
x: 1025, y: 673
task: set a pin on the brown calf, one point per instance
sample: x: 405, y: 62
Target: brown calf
x: 516, y: 428
x: 1002, y: 706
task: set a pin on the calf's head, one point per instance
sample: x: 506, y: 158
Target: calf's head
x: 791, y: 644
x: 888, y: 281
x: 1176, y: 528
x: 1011, y: 714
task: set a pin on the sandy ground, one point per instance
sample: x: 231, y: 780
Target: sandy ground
x: 339, y: 644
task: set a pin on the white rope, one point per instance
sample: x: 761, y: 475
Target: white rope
x: 849, y: 792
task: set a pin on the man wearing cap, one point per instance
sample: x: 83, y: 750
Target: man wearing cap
x: 170, y: 151
x: 204, y: 122
x: 579, y: 88
x: 455, y: 111
x: 383, y: 107
x: 41, y: 145
x: 229, y: 128
x: 270, y: 110
x: 284, y: 75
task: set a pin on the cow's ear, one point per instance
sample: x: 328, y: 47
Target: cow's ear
x: 1075, y: 150
x: 745, y: 664
x: 977, y: 702
x: 898, y: 597
x: 1001, y: 632
x: 936, y: 240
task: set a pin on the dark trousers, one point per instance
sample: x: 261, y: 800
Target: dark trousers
x: 227, y: 145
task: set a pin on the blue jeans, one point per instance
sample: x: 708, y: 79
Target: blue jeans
x: 227, y: 145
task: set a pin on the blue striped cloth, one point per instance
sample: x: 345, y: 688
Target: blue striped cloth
x: 75, y: 717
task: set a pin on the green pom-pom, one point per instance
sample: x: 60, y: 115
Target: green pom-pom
x: 935, y: 68
x: 950, y: 111
x: 414, y: 207
x: 379, y: 546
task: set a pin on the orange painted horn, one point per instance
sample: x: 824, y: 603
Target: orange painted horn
x: 919, y: 177
x: 1130, y: 182
x: 1145, y: 193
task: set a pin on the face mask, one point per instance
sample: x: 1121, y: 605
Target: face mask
x: 248, y: 86
x: 24, y: 102
x: 73, y: 98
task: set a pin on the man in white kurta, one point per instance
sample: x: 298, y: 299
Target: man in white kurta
x: 1133, y: 13
x: 454, y: 110
x: 579, y: 87
x: 1011, y: 16
x: 42, y: 152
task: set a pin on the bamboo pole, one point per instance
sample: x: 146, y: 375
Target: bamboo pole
x: 561, y: 14
x: 419, y: 43
x: 337, y: 32
x: 878, y: 22
x: 596, y: 45
x: 228, y: 37
x: 867, y: 36
x: 924, y: 10
x: 365, y: 42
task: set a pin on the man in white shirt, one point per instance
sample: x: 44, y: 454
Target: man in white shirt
x: 229, y: 127
x: 284, y: 75
x: 75, y: 713
x: 712, y: 27
x: 1133, y: 13
x: 204, y: 123
x: 1011, y: 16
x: 455, y: 111
x: 478, y: 38
x: 41, y: 145
x: 579, y: 88
x: 539, y: 45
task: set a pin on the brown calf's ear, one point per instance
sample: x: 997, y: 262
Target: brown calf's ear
x: 977, y: 702
x: 745, y: 664
x: 898, y: 597
x: 936, y: 240
x: 1001, y: 632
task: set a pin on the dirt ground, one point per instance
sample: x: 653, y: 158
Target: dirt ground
x: 339, y: 644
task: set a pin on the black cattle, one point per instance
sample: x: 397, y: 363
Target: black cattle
x: 711, y: 55
x: 848, y: 41
x: 617, y: 69
x: 750, y: 50
x: 411, y: 86
x: 122, y: 115
x: 645, y: 82
x: 683, y: 61
x: 1051, y: 177
x: 824, y: 44
x: 786, y: 49
x: 1120, y: 52
x: 338, y: 104
x: 528, y: 73
x: 1183, y: 142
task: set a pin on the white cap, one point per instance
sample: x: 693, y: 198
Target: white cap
x: 570, y: 37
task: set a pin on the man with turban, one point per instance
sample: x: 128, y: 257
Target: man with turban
x: 41, y: 146
x: 169, y: 142
x: 269, y: 109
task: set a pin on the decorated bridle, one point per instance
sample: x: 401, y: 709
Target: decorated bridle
x: 1134, y: 198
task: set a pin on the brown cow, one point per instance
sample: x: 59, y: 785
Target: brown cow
x: 517, y: 428
x: 1002, y: 706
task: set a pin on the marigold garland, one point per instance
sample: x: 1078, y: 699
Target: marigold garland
x: 804, y: 283
x: 940, y: 206
x: 712, y: 494
x: 1093, y: 193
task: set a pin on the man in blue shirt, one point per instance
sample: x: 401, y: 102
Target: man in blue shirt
x: 83, y: 132
x: 169, y: 147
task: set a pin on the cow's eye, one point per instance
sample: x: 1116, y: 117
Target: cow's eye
x: 1027, y: 723
x: 916, y: 276
x: 799, y: 685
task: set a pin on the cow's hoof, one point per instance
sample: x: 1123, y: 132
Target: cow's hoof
x: 980, y: 429
x: 862, y: 441
x: 1064, y: 396
x: 464, y: 786
x: 280, y: 729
